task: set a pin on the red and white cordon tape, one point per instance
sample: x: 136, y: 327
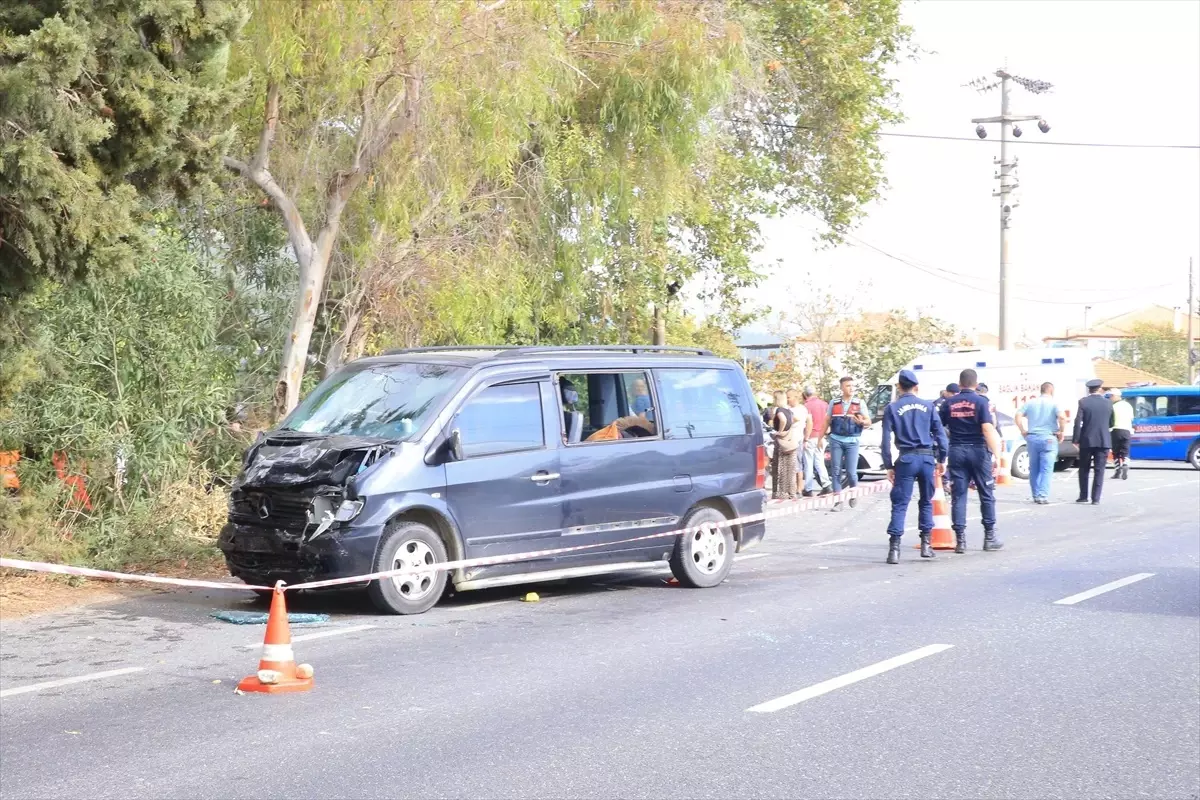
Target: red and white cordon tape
x: 772, y: 511
x: 63, y: 569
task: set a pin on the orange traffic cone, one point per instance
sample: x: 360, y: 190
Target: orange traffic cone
x: 277, y: 669
x: 1004, y: 471
x: 942, y: 536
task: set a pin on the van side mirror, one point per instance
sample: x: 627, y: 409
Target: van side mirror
x: 455, y: 446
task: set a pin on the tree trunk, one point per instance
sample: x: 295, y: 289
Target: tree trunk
x: 660, y: 325
x: 295, y: 346
x: 378, y: 128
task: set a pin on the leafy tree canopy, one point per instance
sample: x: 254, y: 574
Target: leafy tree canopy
x: 103, y: 102
x: 879, y: 350
x: 1158, y: 349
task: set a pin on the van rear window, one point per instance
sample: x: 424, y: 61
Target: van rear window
x: 704, y: 403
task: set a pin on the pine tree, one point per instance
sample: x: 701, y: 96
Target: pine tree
x: 104, y: 105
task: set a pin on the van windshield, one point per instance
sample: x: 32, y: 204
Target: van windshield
x: 385, y: 401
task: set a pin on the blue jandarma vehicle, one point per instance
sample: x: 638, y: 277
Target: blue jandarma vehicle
x: 1166, y: 423
x: 427, y: 455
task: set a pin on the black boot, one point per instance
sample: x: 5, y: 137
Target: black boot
x: 894, y: 550
x: 926, y: 550
x: 960, y: 542
x: 990, y: 542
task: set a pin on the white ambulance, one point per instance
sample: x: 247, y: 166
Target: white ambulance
x: 1013, y: 378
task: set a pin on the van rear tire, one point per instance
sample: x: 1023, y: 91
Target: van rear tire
x: 406, y: 543
x: 1194, y: 455
x: 702, y: 559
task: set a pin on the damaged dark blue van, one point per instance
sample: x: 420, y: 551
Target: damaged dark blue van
x: 435, y: 454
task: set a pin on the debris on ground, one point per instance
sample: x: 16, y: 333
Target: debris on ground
x: 260, y: 617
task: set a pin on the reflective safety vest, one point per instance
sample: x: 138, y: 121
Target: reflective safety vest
x: 841, y: 423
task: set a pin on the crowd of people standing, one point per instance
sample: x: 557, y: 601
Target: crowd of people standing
x: 801, y: 423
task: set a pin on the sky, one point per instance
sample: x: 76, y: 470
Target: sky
x: 1107, y: 227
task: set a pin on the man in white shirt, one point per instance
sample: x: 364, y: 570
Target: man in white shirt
x: 1122, y: 432
x: 802, y: 422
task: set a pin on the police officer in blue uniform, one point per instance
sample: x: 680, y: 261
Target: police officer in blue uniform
x: 921, y: 442
x: 974, y: 448
x: 950, y: 390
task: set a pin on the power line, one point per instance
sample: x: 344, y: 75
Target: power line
x: 956, y: 278
x: 1040, y: 141
x: 985, y: 141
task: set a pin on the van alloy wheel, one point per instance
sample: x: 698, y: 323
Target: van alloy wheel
x: 417, y: 556
x: 414, y: 546
x: 703, y: 557
x: 707, y: 549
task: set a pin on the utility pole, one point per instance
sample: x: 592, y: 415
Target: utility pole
x: 1007, y: 175
x: 1192, y: 355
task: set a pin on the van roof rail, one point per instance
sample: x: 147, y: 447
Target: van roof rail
x: 549, y: 349
x: 450, y: 348
x: 614, y: 348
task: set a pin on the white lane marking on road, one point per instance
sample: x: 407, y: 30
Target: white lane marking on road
x: 1108, y: 587
x: 95, y: 676
x: 1165, y: 486
x: 307, y: 637
x: 834, y: 541
x: 749, y: 556
x: 475, y: 606
x: 816, y: 690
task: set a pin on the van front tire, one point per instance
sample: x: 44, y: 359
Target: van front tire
x: 702, y: 559
x: 412, y: 545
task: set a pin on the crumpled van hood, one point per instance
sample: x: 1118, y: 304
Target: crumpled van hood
x: 286, y: 458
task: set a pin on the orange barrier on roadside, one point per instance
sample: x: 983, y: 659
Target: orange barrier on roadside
x: 8, y: 470
x: 277, y: 669
x: 80, y: 495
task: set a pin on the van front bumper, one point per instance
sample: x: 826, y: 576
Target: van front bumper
x: 262, y: 555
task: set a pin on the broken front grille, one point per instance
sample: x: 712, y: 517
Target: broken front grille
x: 273, y: 508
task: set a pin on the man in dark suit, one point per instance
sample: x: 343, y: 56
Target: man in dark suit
x: 1093, y: 439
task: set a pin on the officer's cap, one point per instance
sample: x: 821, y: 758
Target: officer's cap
x: 982, y: 387
x: 952, y: 388
x: 1094, y: 383
x: 907, y: 376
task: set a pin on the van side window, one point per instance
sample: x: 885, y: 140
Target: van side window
x: 502, y: 419
x: 704, y: 403
x: 606, y: 406
x: 1150, y: 406
x: 1189, y: 405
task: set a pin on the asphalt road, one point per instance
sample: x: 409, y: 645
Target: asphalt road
x: 816, y: 670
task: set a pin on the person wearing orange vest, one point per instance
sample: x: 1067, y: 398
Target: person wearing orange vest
x: 844, y: 424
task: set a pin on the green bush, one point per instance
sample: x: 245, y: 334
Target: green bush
x: 131, y: 379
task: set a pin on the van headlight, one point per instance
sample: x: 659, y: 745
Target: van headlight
x: 348, y: 510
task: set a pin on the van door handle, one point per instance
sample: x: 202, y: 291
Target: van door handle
x: 544, y: 477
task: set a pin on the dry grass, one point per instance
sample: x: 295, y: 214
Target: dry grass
x: 172, y: 531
